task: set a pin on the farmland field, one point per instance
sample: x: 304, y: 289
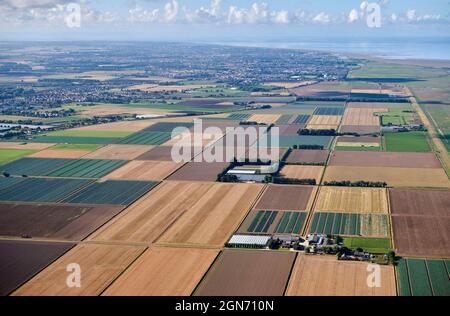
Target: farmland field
x: 24, y: 146
x: 367, y: 225
x: 302, y: 172
x: 360, y: 129
x: 147, y: 218
x: 423, y: 277
x: 144, y: 170
x: 372, y: 245
x: 75, y: 140
x: 8, y: 155
x: 100, y: 265
x: 120, y: 152
x: 87, y: 168
x: 167, y: 127
x: 396, y: 177
x: 288, y: 198
x: 61, y: 153
x: 286, y: 141
x: 418, y: 213
x: 199, y: 171
x: 273, y: 222
x: 34, y: 166
x: 307, y: 157
x: 25, y: 259
x: 122, y: 126
x: 329, y: 111
x: 247, y: 272
x: 300, y: 119
x: 90, y: 133
x: 326, y: 276
x: 111, y: 192
x: 146, y: 138
x: 214, y: 217
x: 410, y: 142
x: 384, y: 159
x: 352, y: 200
x: 163, y: 153
x: 42, y: 190
x: 56, y: 221
x: 164, y: 271
x: 361, y: 116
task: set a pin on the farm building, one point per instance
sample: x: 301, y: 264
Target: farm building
x: 248, y: 241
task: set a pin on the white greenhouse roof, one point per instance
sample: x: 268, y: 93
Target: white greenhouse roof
x: 249, y: 240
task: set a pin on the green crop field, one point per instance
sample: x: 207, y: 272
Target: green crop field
x: 291, y: 223
x: 94, y: 134
x: 423, y: 277
x: 8, y: 155
x: 372, y: 245
x: 239, y: 116
x: 406, y: 142
x: 41, y: 190
x: 111, y: 192
x: 284, y: 119
x: 87, y: 168
x: 368, y: 225
x: 75, y: 140
x: 147, y: 138
x: 34, y: 166
x: 167, y: 127
x: 8, y: 182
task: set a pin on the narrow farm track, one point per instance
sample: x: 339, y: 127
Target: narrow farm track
x: 437, y: 143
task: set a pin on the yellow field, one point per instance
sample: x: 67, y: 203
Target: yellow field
x: 100, y: 265
x: 325, y: 120
x: 162, y: 271
x: 352, y: 200
x: 365, y: 117
x: 302, y: 172
x: 396, y: 177
x: 145, y: 170
x: 264, y: 118
x: 214, y: 217
x: 146, y: 219
x: 59, y: 153
x: 123, y: 126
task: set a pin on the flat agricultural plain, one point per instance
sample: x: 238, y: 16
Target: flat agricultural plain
x: 361, y: 116
x: 214, y: 217
x: 419, y: 213
x: 56, y: 153
x: 100, y: 266
x: 247, y: 273
x: 25, y: 146
x: 55, y: 221
x: 352, y: 200
x: 145, y: 170
x: 307, y: 157
x: 265, y: 118
x: 396, y: 177
x: 328, y: 120
x: 124, y: 126
x: 163, y: 271
x: 302, y: 172
x: 327, y: 276
x: 146, y: 219
x: 384, y: 159
x: 287, y: 198
x: 21, y: 260
x: 119, y: 152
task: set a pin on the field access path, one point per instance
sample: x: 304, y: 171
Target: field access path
x: 436, y: 141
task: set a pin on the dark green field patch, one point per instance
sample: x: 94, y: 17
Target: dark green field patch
x: 75, y: 140
x: 423, y: 277
x: 167, y: 127
x: 406, y: 142
x: 239, y: 116
x: 7, y: 182
x: 284, y: 119
x: 41, y: 190
x: 372, y: 245
x: 147, y: 138
x: 273, y: 222
x: 35, y: 166
x: 111, y: 192
x: 301, y: 119
x: 329, y: 111
x: 346, y: 224
x: 87, y: 168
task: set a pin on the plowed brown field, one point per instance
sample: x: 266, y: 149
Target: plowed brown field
x: 287, y: 198
x: 302, y: 172
x: 120, y: 152
x: 145, y: 170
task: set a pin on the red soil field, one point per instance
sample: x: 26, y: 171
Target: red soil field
x: 417, y: 215
x: 160, y: 153
x: 247, y: 272
x: 360, y: 139
x: 361, y: 129
x: 20, y: 261
x: 290, y: 129
x: 384, y: 159
x: 56, y: 221
x: 301, y: 156
x: 286, y: 198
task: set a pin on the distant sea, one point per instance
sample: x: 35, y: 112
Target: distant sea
x: 391, y: 48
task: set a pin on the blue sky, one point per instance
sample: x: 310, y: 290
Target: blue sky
x: 216, y: 20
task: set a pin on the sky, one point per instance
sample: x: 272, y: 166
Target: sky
x: 221, y: 20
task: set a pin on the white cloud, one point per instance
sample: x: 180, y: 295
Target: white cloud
x: 258, y: 13
x: 171, y: 10
x: 322, y: 17
x: 353, y: 16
